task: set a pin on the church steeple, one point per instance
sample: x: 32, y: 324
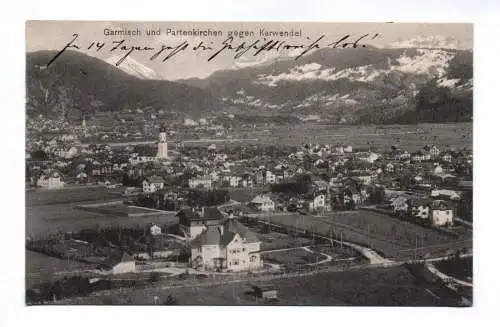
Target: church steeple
x: 162, y: 143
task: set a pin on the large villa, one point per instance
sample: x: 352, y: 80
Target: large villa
x: 219, y: 243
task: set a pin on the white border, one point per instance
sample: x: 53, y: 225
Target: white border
x: 482, y: 13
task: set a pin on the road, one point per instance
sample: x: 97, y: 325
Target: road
x: 246, y: 278
x: 417, y: 242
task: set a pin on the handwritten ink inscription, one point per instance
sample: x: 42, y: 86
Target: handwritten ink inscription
x: 229, y: 45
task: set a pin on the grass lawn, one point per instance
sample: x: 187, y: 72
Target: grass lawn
x: 274, y: 240
x: 67, y: 218
x: 68, y: 195
x: 336, y: 252
x: 292, y: 258
x: 42, y: 268
x: 245, y: 195
x: 392, y: 237
x: 369, y: 287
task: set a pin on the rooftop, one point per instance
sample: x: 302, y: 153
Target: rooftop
x: 201, y: 214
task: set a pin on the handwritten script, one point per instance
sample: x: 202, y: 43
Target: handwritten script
x: 229, y: 45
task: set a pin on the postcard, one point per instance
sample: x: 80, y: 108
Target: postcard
x: 240, y: 163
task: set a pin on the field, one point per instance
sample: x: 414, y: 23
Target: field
x: 120, y: 210
x: 292, y: 257
x: 69, y: 195
x: 42, y: 268
x: 245, y: 195
x: 411, y: 137
x: 388, y: 235
x: 64, y: 217
x: 369, y: 287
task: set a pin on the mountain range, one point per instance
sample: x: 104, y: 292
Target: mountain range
x: 365, y: 85
x: 76, y: 84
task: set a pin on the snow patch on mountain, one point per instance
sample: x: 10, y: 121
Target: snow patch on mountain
x: 314, y: 71
x: 445, y: 82
x: 134, y: 68
x: 431, y: 62
x: 435, y: 42
x: 266, y: 58
x: 326, y: 100
x: 427, y: 62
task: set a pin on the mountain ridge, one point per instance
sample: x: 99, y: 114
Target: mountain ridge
x: 77, y: 84
x: 350, y: 85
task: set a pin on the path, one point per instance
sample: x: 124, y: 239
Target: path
x: 463, y: 222
x: 327, y: 259
x: 448, y: 281
x: 282, y: 249
x: 430, y: 266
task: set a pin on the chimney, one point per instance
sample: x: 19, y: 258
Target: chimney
x: 203, y: 211
x: 221, y: 230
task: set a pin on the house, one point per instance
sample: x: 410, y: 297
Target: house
x: 452, y: 195
x: 247, y: 181
x: 153, y: 184
x: 119, y: 263
x: 365, y: 179
x: 229, y: 246
x: 402, y: 155
x: 438, y: 170
x: 52, y: 181
x: 194, y: 221
x: 234, y: 181
x: 434, y: 151
x: 318, y: 202
x: 400, y: 205
x: 155, y: 230
x: 447, y: 157
x: 389, y: 168
x: 262, y: 203
x: 370, y: 157
x: 270, y: 177
x: 259, y: 177
x: 201, y: 182
x: 420, y: 208
x: 441, y: 213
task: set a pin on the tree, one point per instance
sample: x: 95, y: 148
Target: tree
x: 464, y: 208
x: 377, y: 195
x: 170, y: 300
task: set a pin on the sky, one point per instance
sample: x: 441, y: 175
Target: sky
x: 54, y: 35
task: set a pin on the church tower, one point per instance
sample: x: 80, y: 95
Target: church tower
x: 162, y: 144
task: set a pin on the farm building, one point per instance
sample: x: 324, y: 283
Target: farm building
x: 265, y: 292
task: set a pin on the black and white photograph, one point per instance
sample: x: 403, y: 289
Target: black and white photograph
x: 249, y: 163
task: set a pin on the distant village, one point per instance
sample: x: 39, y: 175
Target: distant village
x: 201, y: 184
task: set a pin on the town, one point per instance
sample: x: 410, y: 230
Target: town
x: 192, y: 203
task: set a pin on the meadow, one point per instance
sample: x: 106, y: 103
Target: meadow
x: 411, y: 137
x: 389, y: 236
x: 367, y: 287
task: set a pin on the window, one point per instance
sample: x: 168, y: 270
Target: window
x: 236, y: 262
x: 243, y: 249
x: 253, y: 258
